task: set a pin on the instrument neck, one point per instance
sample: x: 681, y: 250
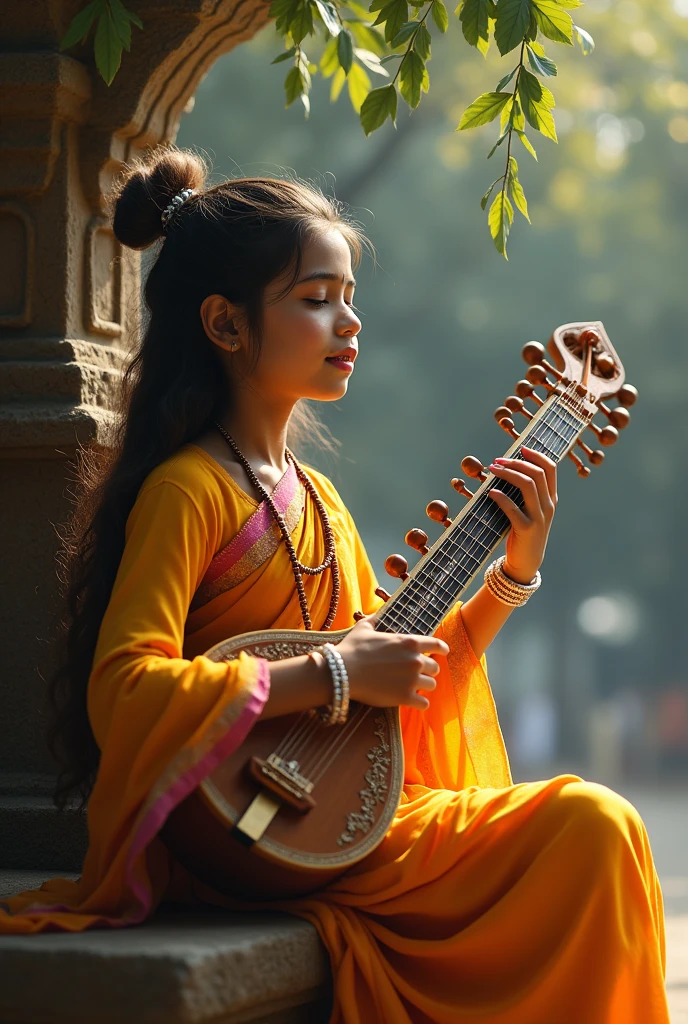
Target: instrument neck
x: 440, y: 578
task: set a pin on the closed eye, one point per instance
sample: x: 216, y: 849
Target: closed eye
x: 323, y: 302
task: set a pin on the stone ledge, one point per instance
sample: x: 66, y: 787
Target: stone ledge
x: 180, y: 968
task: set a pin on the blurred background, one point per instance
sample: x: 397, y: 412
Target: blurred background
x: 592, y: 676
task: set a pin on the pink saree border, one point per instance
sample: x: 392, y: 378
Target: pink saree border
x: 234, y: 725
x: 254, y: 527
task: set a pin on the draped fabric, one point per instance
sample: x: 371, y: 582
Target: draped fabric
x: 535, y: 903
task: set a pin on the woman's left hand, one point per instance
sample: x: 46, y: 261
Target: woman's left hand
x: 536, y: 477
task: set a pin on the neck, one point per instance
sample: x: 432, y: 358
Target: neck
x: 258, y: 427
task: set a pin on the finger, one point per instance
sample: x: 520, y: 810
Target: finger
x: 417, y: 701
x: 429, y: 667
x: 550, y: 468
x: 427, y: 644
x: 536, y: 474
x: 528, y: 488
x: 518, y: 520
x: 426, y: 683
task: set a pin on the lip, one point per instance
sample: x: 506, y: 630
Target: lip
x: 343, y: 360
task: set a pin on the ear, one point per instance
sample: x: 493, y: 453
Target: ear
x: 219, y: 318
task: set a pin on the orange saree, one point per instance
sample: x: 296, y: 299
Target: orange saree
x: 535, y: 903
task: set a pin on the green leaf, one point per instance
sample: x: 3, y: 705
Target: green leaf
x: 526, y: 142
x: 286, y: 55
x: 475, y: 22
x: 516, y: 189
x: 394, y: 15
x: 505, y: 81
x: 359, y: 86
x: 284, y: 12
x: 377, y: 5
x: 422, y: 44
x: 513, y: 19
x: 483, y: 110
x: 328, y: 13
x: 134, y: 19
x: 512, y: 115
x: 537, y: 102
x: 377, y: 107
x: 306, y: 100
x: 370, y: 38
x: 80, y: 25
x: 302, y: 23
x: 496, y: 146
x: 587, y: 43
x: 404, y: 33
x: 337, y: 84
x: 345, y: 50
x: 553, y: 21
x: 571, y: 4
x: 483, y: 201
x: 541, y: 65
x: 371, y: 61
x: 411, y: 79
x: 499, y: 219
x: 358, y: 9
x: 392, y: 56
x: 294, y: 85
x: 440, y: 15
x: 120, y: 19
x: 108, y: 47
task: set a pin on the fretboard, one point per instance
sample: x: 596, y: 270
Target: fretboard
x: 444, y: 573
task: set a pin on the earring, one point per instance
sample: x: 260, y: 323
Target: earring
x: 235, y: 345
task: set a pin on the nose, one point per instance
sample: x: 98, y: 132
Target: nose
x: 350, y: 325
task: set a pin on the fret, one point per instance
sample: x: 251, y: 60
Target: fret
x: 443, y: 575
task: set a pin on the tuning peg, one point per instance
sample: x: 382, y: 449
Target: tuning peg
x: 581, y: 468
x: 396, y: 565
x: 538, y: 375
x: 460, y: 487
x: 619, y: 417
x: 605, y: 435
x: 506, y: 423
x: 417, y: 539
x: 474, y: 468
x: 534, y: 354
x: 381, y: 592
x: 524, y: 389
x: 627, y: 395
x: 439, y: 511
x: 595, y: 457
x: 604, y: 363
x: 515, y: 404
x: 358, y: 616
x: 501, y: 411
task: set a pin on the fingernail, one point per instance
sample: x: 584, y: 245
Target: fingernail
x: 499, y: 461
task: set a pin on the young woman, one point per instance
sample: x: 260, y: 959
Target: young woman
x: 535, y: 903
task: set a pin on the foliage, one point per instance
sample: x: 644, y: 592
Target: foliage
x: 356, y: 39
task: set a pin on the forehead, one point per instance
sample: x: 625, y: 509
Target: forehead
x: 326, y: 250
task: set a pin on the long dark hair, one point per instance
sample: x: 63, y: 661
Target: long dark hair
x: 230, y: 239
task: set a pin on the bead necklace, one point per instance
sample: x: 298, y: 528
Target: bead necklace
x: 298, y: 568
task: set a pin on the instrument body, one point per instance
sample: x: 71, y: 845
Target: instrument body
x: 300, y: 802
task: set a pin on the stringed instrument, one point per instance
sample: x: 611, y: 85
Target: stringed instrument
x: 300, y: 802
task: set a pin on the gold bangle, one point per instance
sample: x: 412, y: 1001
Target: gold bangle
x: 506, y: 590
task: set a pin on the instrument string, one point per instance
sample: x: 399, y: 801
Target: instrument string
x: 439, y: 592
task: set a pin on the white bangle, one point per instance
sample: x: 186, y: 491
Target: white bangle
x: 505, y: 589
x: 336, y: 712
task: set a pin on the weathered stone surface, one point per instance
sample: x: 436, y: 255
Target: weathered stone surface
x: 181, y: 968
x: 69, y: 312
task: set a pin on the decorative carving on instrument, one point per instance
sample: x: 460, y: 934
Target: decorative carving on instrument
x: 272, y: 651
x: 376, y: 791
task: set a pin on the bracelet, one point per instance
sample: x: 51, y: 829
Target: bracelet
x: 336, y: 712
x: 505, y: 589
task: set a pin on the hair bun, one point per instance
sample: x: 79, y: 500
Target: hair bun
x: 147, y: 185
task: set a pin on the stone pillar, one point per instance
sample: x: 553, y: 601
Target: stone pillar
x: 69, y: 310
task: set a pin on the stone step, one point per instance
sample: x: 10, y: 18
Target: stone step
x: 181, y: 967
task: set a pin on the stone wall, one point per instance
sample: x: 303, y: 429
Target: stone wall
x: 69, y: 312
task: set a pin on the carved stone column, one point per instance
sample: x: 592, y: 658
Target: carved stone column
x: 69, y: 311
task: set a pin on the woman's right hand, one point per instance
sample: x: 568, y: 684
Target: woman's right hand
x: 388, y: 669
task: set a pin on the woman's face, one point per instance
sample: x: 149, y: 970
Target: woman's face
x: 310, y: 335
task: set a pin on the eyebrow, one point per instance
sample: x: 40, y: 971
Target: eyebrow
x: 322, y: 275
